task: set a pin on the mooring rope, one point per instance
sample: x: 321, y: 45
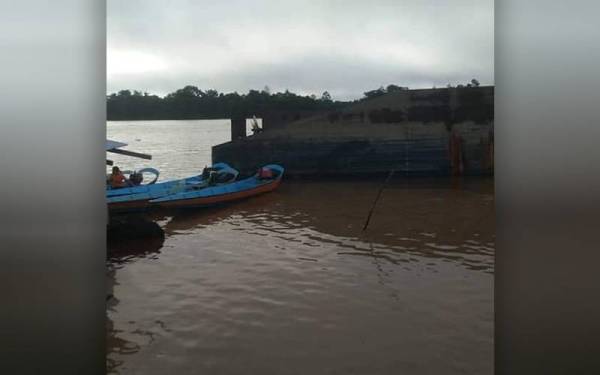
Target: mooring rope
x: 376, y: 199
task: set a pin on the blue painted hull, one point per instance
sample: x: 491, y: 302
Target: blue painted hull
x: 219, y: 194
x: 111, y: 193
x: 136, y: 198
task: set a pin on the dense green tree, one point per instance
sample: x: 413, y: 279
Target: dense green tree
x: 375, y: 93
x: 326, y: 97
x: 190, y: 102
x: 394, y: 88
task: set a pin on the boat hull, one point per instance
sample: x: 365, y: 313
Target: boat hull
x: 138, y: 198
x: 221, y: 198
x: 129, y: 206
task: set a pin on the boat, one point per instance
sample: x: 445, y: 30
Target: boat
x: 233, y: 191
x: 137, y: 197
x: 116, y: 147
x: 147, y: 188
x: 113, y: 192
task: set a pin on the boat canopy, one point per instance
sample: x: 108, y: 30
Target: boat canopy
x: 114, y: 144
x: 115, y: 147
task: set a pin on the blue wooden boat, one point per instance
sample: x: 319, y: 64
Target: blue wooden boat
x: 136, y: 198
x: 146, y: 188
x: 113, y: 192
x: 117, y: 148
x: 233, y: 191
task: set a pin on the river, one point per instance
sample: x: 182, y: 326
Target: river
x: 289, y: 283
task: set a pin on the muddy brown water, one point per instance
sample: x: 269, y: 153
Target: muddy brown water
x: 288, y: 283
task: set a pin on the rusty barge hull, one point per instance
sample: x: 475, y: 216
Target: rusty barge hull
x: 431, y: 132
x: 415, y: 158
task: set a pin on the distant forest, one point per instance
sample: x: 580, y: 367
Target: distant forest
x: 191, y: 102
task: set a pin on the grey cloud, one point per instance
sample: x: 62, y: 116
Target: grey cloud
x: 342, y: 47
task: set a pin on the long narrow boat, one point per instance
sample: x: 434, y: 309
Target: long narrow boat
x: 225, y: 193
x: 113, y: 192
x: 117, y: 148
x: 147, y: 188
x: 137, y: 198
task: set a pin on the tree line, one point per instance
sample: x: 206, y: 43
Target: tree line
x: 191, y: 102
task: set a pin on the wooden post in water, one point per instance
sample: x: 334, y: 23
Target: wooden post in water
x: 238, y: 127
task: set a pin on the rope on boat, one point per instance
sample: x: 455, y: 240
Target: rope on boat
x: 377, y: 199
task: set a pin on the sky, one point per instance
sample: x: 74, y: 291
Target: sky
x: 308, y: 47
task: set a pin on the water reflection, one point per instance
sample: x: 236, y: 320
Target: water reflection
x: 288, y: 281
x: 133, y: 236
x: 453, y: 221
x: 129, y: 237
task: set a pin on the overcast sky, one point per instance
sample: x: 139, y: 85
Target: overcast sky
x: 343, y: 47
